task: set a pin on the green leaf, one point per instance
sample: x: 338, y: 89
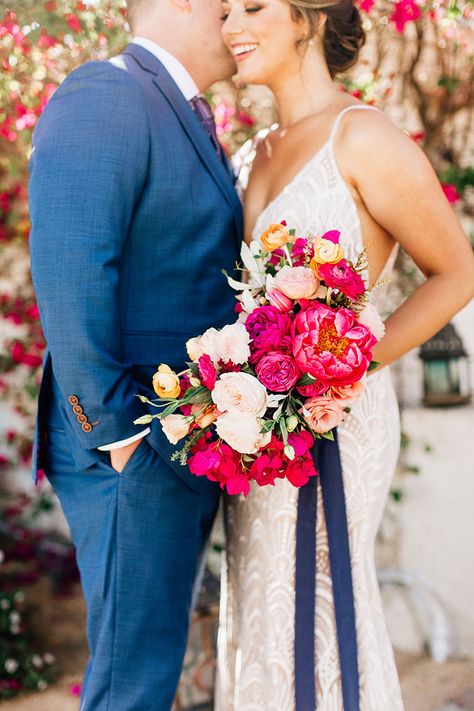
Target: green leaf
x: 283, y: 430
x: 267, y: 426
x: 143, y: 420
x: 306, y: 379
x: 292, y: 232
x: 374, y: 364
x: 197, y: 395
x: 328, y: 435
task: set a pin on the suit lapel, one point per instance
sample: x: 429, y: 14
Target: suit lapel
x: 219, y: 170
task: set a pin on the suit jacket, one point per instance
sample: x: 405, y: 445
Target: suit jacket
x: 134, y: 216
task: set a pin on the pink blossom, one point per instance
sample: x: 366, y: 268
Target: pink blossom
x: 278, y: 372
x: 302, y: 249
x: 278, y: 299
x: 332, y: 236
x: 343, y: 277
x: 331, y: 345
x: 75, y: 689
x: 405, y: 11
x: 366, y: 5
x: 300, y: 470
x: 266, y: 468
x: 451, y: 192
x: 207, y: 371
x: 301, y: 442
x: 322, y: 413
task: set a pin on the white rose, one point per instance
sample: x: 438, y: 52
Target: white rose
x: 240, y: 391
x: 207, y: 343
x: 233, y: 343
x: 241, y: 431
x: 370, y: 317
x: 175, y: 427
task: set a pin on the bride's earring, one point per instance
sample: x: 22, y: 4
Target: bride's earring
x: 311, y: 43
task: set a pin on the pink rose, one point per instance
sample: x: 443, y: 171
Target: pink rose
x: 278, y: 372
x: 207, y: 371
x: 370, y: 317
x: 299, y: 471
x: 278, y: 299
x: 331, y: 345
x: 346, y: 393
x: 332, y: 236
x: 343, y: 277
x: 269, y: 330
x: 322, y: 413
x: 296, y: 282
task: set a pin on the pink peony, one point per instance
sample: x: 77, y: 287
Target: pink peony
x: 278, y: 299
x: 322, y: 413
x: 296, y: 282
x: 207, y: 371
x: 343, y: 277
x: 331, y: 345
x: 299, y: 471
x: 269, y: 330
x: 278, y: 372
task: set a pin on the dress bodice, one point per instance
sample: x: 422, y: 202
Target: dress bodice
x: 316, y: 200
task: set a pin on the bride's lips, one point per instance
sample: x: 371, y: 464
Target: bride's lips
x: 242, y: 51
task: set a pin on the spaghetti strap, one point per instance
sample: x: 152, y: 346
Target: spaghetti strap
x: 339, y: 117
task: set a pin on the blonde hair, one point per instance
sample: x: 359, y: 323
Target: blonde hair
x: 343, y: 36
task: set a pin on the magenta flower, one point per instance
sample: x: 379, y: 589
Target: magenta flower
x: 207, y: 371
x: 405, y: 11
x: 269, y: 330
x: 278, y: 372
x: 343, y: 277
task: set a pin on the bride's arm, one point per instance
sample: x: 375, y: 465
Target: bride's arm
x: 402, y: 193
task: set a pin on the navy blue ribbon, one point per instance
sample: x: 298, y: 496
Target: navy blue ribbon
x: 328, y: 463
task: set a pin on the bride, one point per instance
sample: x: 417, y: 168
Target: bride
x: 333, y: 163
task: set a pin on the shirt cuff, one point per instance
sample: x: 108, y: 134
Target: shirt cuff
x: 124, y: 442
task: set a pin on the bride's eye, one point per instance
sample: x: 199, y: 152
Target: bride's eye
x: 255, y: 8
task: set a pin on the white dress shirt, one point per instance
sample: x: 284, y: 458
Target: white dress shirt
x: 189, y: 89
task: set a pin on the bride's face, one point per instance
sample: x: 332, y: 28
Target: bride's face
x: 263, y: 37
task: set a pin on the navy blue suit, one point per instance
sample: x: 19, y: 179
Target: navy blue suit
x: 134, y: 216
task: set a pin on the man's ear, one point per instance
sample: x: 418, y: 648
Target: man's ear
x: 182, y: 5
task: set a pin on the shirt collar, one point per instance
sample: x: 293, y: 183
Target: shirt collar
x: 177, y: 71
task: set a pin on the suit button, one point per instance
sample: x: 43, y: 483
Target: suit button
x: 77, y: 410
x: 87, y: 427
x: 73, y: 399
x: 81, y: 419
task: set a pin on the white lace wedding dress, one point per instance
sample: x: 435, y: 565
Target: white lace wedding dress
x: 256, y: 636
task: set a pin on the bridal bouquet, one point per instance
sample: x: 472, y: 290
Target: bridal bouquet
x: 256, y: 393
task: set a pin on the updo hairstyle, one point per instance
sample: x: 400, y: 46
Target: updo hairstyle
x: 343, y: 36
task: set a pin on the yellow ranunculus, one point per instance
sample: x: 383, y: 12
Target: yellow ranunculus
x: 275, y: 237
x: 326, y: 252
x: 166, y: 382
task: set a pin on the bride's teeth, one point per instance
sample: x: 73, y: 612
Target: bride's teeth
x: 244, y: 48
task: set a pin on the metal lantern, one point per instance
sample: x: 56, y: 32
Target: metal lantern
x: 446, y: 369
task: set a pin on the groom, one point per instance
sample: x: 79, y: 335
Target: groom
x: 134, y: 216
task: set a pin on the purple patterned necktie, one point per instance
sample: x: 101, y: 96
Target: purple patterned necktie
x: 204, y: 113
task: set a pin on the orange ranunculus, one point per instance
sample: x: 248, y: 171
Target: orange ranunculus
x: 275, y: 237
x: 325, y: 252
x: 166, y: 382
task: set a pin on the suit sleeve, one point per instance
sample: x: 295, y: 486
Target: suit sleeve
x: 87, y: 171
